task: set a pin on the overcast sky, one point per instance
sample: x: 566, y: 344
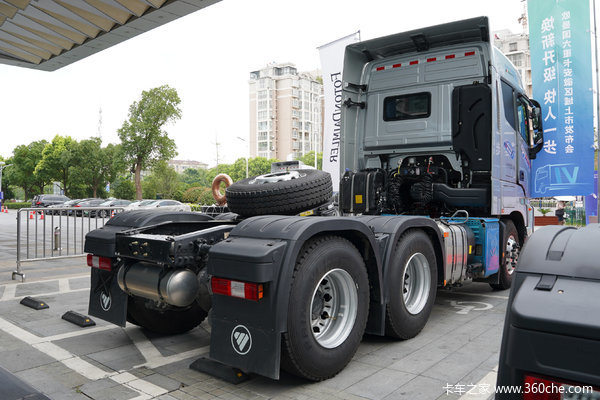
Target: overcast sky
x: 207, y: 56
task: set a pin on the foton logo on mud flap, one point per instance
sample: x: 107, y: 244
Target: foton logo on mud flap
x: 241, y: 340
x: 105, y: 301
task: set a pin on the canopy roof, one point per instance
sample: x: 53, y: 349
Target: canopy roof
x: 49, y: 34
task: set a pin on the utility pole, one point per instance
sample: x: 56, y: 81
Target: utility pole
x: 100, y: 124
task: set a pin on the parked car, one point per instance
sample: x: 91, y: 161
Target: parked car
x: 166, y: 205
x: 55, y: 208
x: 134, y: 205
x: 111, y: 203
x: 88, y: 203
x: 45, y: 200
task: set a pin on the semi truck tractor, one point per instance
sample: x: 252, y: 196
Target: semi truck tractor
x: 437, y: 136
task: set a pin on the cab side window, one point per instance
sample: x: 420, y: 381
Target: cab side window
x: 522, y: 115
x: 509, y: 104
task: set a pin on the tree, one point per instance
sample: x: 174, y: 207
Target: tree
x: 163, y: 181
x: 142, y: 135
x: 309, y: 159
x: 98, y: 165
x: 21, y: 173
x: 59, y: 160
x: 123, y: 188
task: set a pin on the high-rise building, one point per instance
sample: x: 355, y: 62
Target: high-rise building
x: 515, y: 46
x: 285, y: 112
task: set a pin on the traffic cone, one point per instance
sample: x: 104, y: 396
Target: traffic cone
x: 112, y: 213
x: 6, y: 209
x: 42, y: 215
x: 31, y: 214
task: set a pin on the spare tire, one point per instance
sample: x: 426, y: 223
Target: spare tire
x: 284, y: 193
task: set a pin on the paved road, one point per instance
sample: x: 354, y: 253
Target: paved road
x: 457, y: 351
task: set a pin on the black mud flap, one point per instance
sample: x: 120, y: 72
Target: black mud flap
x: 246, y: 347
x: 107, y: 300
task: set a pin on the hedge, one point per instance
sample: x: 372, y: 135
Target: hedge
x: 16, y: 206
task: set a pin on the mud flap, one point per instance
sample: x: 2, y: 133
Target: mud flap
x: 107, y: 300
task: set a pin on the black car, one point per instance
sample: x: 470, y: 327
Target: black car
x: 88, y: 203
x: 45, y: 200
x: 110, y: 203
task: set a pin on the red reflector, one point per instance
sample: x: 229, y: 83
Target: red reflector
x: 414, y: 62
x: 242, y: 290
x: 380, y: 68
x: 431, y: 59
x: 396, y: 65
x: 450, y: 56
x: 470, y: 53
x: 99, y: 262
x: 38, y: 203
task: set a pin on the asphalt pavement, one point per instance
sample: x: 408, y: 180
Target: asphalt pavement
x: 454, y: 357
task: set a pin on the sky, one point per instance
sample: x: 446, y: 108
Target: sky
x: 208, y: 56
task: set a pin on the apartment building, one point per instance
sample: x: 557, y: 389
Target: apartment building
x: 515, y: 46
x: 285, y: 112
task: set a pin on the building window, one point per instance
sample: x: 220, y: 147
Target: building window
x: 263, y: 146
x: 263, y: 104
x: 263, y: 115
x: 263, y: 94
x: 512, y: 46
x: 263, y: 125
x: 295, y: 103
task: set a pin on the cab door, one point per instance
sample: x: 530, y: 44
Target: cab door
x: 523, y: 138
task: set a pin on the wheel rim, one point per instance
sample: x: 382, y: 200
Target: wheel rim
x: 416, y: 282
x: 333, y: 308
x: 512, y: 254
x: 277, y: 177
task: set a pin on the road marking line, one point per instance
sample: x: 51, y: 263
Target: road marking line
x: 9, y: 292
x: 63, y: 286
x: 488, y: 381
x: 45, y: 294
x: 144, y: 389
x: 175, y: 358
x: 143, y: 344
x: 73, y: 334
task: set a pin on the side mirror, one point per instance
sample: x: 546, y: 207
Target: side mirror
x: 536, y: 141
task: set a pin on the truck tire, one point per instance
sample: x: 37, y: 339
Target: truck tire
x: 328, y: 309
x: 170, y: 321
x: 286, y: 193
x: 413, y: 283
x: 510, y: 249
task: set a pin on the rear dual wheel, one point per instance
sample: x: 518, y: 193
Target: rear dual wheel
x: 329, y: 302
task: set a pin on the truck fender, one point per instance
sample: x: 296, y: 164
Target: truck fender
x: 264, y: 250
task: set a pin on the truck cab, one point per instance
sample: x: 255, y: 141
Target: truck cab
x: 439, y: 121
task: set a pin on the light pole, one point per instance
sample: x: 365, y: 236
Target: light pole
x: 247, y: 151
x: 2, y: 166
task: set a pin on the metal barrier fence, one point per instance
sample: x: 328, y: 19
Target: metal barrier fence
x: 55, y: 233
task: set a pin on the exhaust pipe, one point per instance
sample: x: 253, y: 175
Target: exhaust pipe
x: 178, y: 287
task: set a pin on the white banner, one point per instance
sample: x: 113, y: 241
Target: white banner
x: 332, y: 62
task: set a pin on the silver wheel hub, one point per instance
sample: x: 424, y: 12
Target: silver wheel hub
x: 511, y: 254
x: 277, y: 177
x: 416, y: 283
x: 333, y: 308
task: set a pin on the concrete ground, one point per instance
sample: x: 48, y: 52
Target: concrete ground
x: 456, y: 353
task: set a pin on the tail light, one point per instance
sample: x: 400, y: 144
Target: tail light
x: 544, y: 388
x: 242, y: 290
x: 99, y: 262
x: 38, y: 203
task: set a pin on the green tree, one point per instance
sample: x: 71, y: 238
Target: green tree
x: 59, y: 160
x: 123, y: 188
x: 21, y: 173
x: 309, y: 159
x: 142, y: 135
x: 98, y: 165
x: 163, y: 181
x: 192, y: 177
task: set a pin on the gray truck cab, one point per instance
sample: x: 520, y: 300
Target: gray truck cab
x: 435, y: 120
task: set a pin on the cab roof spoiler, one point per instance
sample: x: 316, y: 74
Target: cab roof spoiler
x: 465, y: 31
